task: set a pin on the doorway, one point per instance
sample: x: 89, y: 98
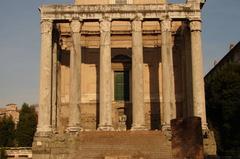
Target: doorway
x: 121, y: 85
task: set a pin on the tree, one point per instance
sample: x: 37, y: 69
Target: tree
x: 7, y: 131
x: 3, y: 153
x: 223, y: 108
x: 26, y: 126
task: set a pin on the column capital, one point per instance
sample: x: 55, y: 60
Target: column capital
x: 166, y: 25
x: 46, y: 25
x: 77, y: 19
x: 105, y: 24
x: 138, y: 17
x: 195, y: 25
x: 105, y: 19
x: 75, y: 25
x: 194, y: 1
x: 165, y: 18
x: 137, y: 25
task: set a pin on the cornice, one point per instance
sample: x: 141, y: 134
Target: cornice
x: 96, y: 12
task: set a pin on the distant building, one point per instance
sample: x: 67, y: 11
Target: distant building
x: 10, y: 110
x: 233, y: 56
x: 19, y: 152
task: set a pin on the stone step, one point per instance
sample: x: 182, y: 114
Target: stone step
x: 121, y: 145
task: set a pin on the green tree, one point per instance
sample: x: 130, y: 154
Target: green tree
x: 223, y: 107
x: 26, y: 126
x: 7, y: 131
x: 2, y: 153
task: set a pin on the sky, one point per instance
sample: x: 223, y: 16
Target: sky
x: 20, y: 43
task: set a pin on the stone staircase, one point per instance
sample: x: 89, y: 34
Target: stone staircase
x: 120, y: 145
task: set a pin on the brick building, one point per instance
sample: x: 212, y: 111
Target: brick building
x: 10, y: 110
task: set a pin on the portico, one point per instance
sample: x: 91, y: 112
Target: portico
x: 78, y: 26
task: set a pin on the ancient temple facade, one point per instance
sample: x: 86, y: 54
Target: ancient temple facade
x: 118, y: 66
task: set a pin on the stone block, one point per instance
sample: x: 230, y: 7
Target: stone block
x: 187, y: 139
x: 105, y: 145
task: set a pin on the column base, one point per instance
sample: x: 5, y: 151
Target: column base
x: 205, y: 131
x: 166, y: 129
x: 138, y: 128
x: 44, y: 131
x: 205, y: 126
x: 73, y: 129
x: 105, y: 128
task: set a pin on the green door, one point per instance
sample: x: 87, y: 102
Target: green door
x: 121, y: 85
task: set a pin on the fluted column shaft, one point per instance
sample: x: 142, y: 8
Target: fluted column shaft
x: 75, y: 78
x: 44, y: 117
x: 137, y: 76
x: 168, y: 93
x: 172, y: 76
x: 197, y: 72
x: 105, y: 116
x: 54, y: 79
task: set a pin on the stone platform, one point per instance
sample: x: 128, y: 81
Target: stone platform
x: 104, y: 145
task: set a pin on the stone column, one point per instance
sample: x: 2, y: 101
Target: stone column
x: 188, y: 74
x: 138, y: 114
x: 54, y: 78
x: 44, y: 117
x: 197, y: 72
x: 105, y: 110
x: 58, y: 89
x: 172, y: 76
x: 169, y: 108
x: 75, y: 78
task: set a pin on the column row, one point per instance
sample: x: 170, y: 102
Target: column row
x: 105, y: 122
x: 105, y: 116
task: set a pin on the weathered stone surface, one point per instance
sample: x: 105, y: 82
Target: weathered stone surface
x: 137, y: 76
x: 155, y: 11
x: 167, y: 72
x: 75, y: 78
x: 44, y: 116
x: 105, y: 109
x: 197, y: 72
x: 87, y: 2
x: 105, y: 144
x: 209, y: 144
x: 187, y: 138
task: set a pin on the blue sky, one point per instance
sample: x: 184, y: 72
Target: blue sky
x: 20, y: 42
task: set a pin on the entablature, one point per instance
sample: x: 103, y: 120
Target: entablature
x: 127, y: 12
